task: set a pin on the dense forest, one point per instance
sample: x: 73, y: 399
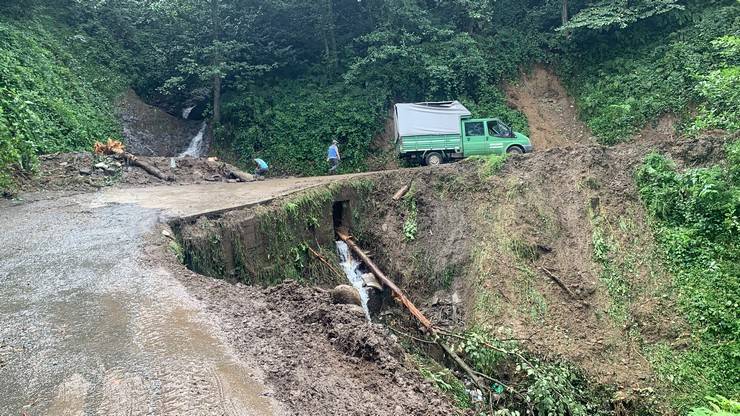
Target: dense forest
x: 283, y: 78
x: 280, y: 79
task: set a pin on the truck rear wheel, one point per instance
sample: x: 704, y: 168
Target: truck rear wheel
x: 434, y: 159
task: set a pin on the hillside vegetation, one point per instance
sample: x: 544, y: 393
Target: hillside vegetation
x: 290, y: 76
x: 697, y: 214
x: 57, y: 84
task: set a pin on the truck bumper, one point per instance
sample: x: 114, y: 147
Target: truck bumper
x: 527, y: 148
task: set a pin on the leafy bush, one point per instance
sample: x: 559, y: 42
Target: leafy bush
x: 292, y: 125
x: 529, y: 383
x: 52, y: 98
x: 661, y: 65
x: 720, y: 406
x: 720, y: 89
x: 446, y: 381
x: 698, y: 221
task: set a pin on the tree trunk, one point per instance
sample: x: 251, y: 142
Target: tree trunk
x: 216, y: 100
x: 330, y: 39
x: 216, y: 37
x: 565, y: 12
x: 150, y: 169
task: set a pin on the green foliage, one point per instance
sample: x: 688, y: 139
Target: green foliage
x: 660, y: 65
x: 718, y: 406
x: 410, y: 224
x: 293, y: 124
x: 619, y: 13
x: 613, y: 264
x: 548, y: 388
x: 491, y: 102
x: 56, y: 88
x: 177, y: 250
x: 720, y: 89
x: 445, y: 380
x: 698, y: 221
x: 489, y: 165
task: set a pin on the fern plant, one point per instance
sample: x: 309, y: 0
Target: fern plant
x: 718, y: 406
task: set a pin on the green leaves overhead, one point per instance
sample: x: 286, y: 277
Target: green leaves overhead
x: 607, y: 14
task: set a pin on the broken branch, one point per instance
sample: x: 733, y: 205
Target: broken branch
x: 426, y: 323
x: 386, y: 281
x: 559, y: 282
x: 326, y: 262
x: 401, y: 192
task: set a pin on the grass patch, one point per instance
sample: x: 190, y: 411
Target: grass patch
x: 410, y: 222
x: 489, y: 165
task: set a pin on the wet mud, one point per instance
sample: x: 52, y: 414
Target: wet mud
x: 87, y: 327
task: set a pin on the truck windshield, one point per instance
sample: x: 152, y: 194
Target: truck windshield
x: 498, y: 128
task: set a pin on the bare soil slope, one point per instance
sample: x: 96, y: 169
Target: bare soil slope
x: 150, y: 131
x: 551, y: 112
x: 569, y: 215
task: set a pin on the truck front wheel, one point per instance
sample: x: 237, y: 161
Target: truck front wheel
x: 515, y: 149
x: 434, y: 159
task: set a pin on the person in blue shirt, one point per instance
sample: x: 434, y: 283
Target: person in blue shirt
x: 261, y: 167
x: 333, y: 156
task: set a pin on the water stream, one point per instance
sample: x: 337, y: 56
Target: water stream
x: 196, y: 145
x: 186, y: 112
x: 351, y: 268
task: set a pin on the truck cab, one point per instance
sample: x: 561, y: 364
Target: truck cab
x: 491, y: 136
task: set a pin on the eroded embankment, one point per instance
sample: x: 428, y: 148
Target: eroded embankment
x: 553, y: 251
x: 320, y: 357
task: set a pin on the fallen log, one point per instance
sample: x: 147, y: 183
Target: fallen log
x: 426, y: 323
x: 150, y: 169
x: 401, y: 192
x: 386, y: 281
x: 230, y: 170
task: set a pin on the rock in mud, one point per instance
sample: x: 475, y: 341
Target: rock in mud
x: 345, y: 295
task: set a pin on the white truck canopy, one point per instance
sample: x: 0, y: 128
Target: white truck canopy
x: 422, y: 119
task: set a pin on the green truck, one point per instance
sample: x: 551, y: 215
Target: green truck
x: 435, y: 133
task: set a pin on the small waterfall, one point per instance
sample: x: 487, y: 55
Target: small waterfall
x: 351, y: 268
x: 196, y: 145
x: 186, y: 112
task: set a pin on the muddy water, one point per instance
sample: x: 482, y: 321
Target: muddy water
x: 88, y: 326
x: 351, y: 268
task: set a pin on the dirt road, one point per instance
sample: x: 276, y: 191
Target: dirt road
x: 195, y: 199
x: 86, y: 328
x: 93, y: 321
